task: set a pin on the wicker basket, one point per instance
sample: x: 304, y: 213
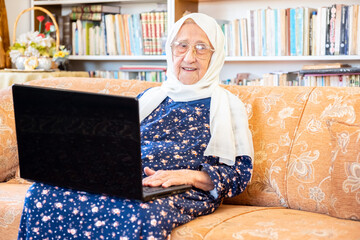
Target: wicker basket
x: 57, y: 40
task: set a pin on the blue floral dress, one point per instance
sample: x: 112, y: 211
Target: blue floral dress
x: 174, y: 136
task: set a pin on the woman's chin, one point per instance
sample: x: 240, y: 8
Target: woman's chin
x: 188, y: 79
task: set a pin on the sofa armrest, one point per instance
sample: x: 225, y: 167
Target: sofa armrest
x: 8, y: 145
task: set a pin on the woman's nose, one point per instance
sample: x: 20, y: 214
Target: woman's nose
x: 190, y: 55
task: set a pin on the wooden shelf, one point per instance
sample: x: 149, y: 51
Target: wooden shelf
x: 65, y: 2
x: 118, y: 58
x: 293, y: 58
x: 227, y: 59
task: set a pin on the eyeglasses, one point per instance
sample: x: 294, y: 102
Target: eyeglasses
x: 202, y: 50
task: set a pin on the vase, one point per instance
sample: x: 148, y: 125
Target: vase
x: 20, y: 62
x: 44, y: 63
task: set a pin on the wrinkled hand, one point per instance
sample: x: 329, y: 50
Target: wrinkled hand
x: 167, y: 178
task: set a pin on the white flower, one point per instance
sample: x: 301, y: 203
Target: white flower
x: 95, y: 209
x: 45, y: 218
x: 316, y: 194
x: 72, y: 231
x: 153, y: 222
x: 14, y: 54
x: 30, y: 51
x: 286, y: 112
x: 99, y: 223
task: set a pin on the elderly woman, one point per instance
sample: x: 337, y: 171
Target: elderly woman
x: 192, y: 132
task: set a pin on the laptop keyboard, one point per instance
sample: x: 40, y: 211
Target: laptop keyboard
x: 150, y: 190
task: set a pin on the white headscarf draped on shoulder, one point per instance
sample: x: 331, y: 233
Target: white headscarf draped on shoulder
x: 230, y: 135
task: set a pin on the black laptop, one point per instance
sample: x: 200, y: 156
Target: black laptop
x: 84, y: 141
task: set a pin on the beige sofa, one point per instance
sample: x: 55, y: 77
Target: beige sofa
x: 306, y: 180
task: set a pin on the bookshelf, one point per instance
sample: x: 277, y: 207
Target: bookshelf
x: 219, y: 9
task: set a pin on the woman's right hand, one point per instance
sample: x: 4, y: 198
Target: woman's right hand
x: 167, y: 178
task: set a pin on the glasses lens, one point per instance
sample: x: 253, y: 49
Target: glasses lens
x: 202, y: 50
x: 181, y: 48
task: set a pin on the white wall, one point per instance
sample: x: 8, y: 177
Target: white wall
x: 13, y: 8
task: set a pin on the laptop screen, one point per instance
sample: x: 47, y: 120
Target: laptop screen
x: 80, y: 140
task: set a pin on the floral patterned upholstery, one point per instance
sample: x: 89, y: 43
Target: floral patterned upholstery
x: 307, y: 157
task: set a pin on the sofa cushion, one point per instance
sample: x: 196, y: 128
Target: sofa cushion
x: 323, y: 174
x: 247, y: 222
x: 12, y: 195
x: 278, y: 110
x: 345, y: 170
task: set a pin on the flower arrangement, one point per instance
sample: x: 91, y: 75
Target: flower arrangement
x: 61, y: 57
x: 34, y: 44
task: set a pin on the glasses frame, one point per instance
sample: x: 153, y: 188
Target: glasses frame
x: 193, y: 47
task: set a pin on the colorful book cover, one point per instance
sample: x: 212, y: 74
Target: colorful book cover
x: 85, y: 16
x: 117, y: 34
x: 263, y: 33
x: 277, y: 31
x: 344, y: 30
x: 104, y: 36
x: 144, y: 26
x: 337, y: 37
x: 292, y: 32
x: 96, y: 8
x: 299, y: 31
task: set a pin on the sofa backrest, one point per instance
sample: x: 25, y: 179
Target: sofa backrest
x: 307, y: 148
x: 306, y: 141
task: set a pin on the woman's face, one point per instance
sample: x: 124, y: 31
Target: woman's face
x: 188, y: 68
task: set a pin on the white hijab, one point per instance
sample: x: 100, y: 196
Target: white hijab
x: 230, y: 135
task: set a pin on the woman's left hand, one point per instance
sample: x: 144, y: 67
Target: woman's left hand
x: 167, y: 178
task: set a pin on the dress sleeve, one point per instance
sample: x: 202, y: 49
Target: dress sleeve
x: 229, y: 181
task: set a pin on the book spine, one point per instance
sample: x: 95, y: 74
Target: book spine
x: 95, y: 8
x: 355, y: 30
x: 105, y: 50
x: 158, y: 33
x: 85, y: 16
x: 276, y: 32
x: 263, y: 33
x: 292, y: 32
x: 352, y: 70
x: 338, y: 18
x: 332, y: 29
x: 117, y: 34
x: 327, y: 40
x: 299, y: 31
x: 343, y: 30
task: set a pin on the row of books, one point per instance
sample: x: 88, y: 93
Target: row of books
x: 302, y: 31
x: 132, y: 72
x: 325, y: 74
x: 120, y: 34
x: 282, y: 79
x: 331, y: 80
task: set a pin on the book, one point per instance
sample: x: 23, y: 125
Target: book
x: 338, y: 71
x: 338, y: 24
x: 299, y: 31
x: 332, y: 22
x: 85, y: 16
x: 292, y: 32
x: 145, y: 32
x: 110, y: 34
x: 96, y: 8
x: 65, y: 30
x: 343, y: 30
x: 325, y: 66
x: 354, y: 31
